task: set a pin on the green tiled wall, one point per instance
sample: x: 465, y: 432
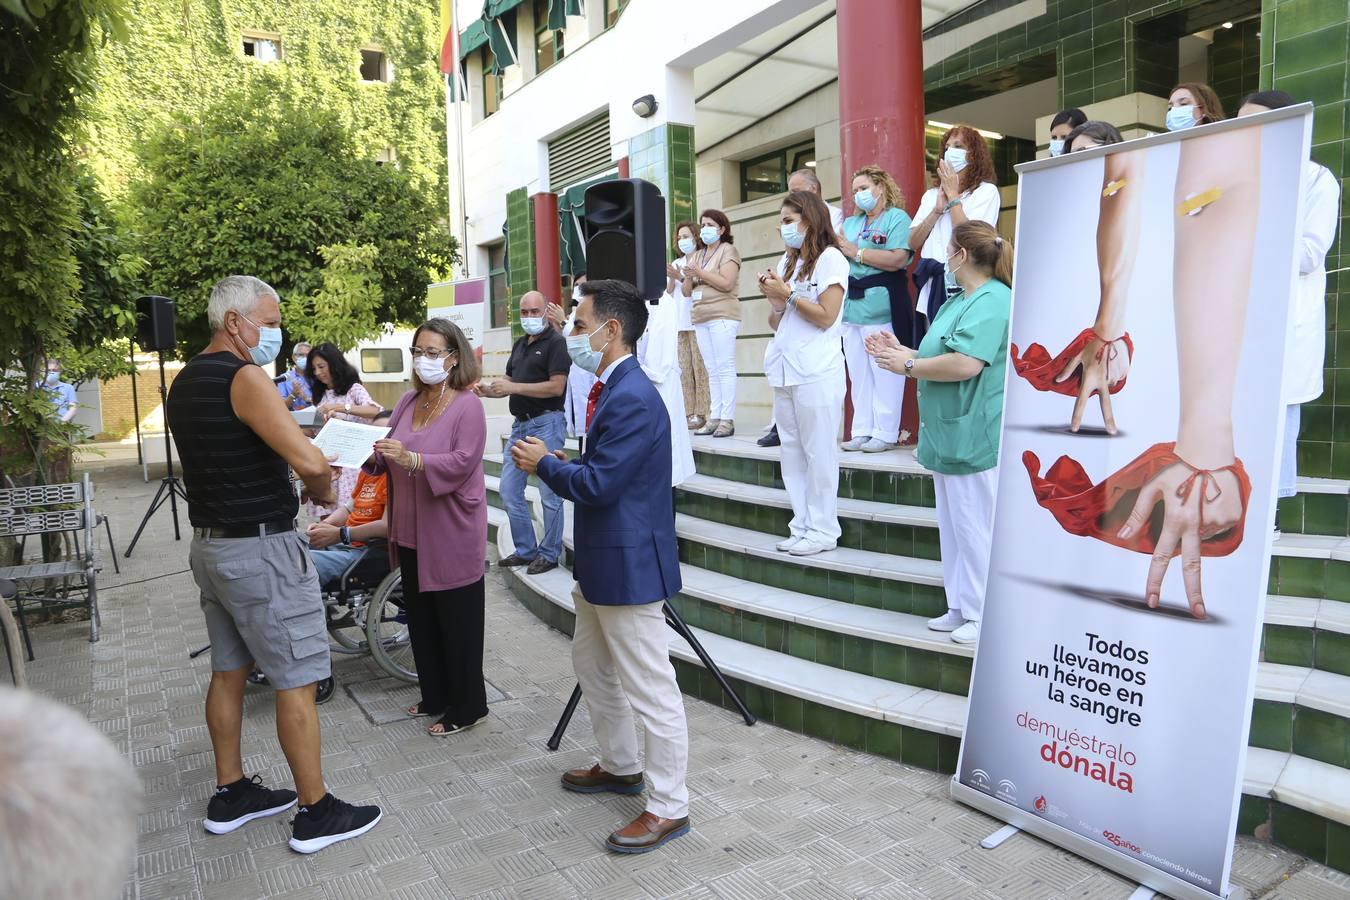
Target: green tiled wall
x: 1235, y: 62
x: 664, y: 155
x: 520, y: 276
x: 1304, y: 50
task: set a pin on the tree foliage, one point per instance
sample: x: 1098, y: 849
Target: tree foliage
x: 46, y: 64
x: 343, y: 310
x: 258, y: 189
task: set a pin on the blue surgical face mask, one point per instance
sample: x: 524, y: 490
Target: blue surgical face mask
x: 532, y: 324
x: 949, y: 276
x: 687, y: 246
x: 709, y: 234
x: 300, y: 363
x: 865, y: 200
x: 1179, y: 118
x: 792, y: 236
x: 269, y: 343
x: 955, y: 157
x: 583, y: 354
x: 53, y: 378
x: 1057, y: 146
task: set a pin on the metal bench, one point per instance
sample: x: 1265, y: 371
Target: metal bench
x: 53, y: 509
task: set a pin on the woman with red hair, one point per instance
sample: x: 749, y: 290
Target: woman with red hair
x: 966, y: 192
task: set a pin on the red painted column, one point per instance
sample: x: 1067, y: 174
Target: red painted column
x: 547, y: 256
x: 881, y: 113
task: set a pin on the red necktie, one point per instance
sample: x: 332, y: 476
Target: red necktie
x: 591, y: 400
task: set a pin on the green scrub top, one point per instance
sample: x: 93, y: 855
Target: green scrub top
x: 960, y: 421
x: 874, y: 307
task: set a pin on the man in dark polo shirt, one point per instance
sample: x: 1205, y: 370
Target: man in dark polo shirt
x: 259, y: 590
x: 536, y: 380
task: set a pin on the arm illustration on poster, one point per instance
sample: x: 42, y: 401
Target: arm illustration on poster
x: 1198, y: 481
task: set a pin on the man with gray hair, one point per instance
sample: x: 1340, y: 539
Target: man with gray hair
x: 259, y: 589
x: 807, y: 180
x: 68, y: 820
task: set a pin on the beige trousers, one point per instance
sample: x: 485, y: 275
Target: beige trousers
x: 693, y: 375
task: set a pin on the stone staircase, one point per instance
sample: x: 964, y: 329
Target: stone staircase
x: 836, y: 645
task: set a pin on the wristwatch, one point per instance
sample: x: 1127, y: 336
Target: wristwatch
x: 348, y: 405
x: 909, y: 367
x: 345, y: 534
x: 857, y: 257
x: 951, y: 203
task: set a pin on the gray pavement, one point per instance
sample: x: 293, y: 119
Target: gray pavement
x: 481, y: 814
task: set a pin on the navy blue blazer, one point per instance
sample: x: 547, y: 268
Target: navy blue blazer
x: 624, y: 521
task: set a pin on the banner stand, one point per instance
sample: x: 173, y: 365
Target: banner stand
x: 1020, y: 820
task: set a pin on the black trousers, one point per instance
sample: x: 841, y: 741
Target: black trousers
x: 446, y: 631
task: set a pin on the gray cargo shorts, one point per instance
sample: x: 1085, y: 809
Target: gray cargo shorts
x: 262, y: 604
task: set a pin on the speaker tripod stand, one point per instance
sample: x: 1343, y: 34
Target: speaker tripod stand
x: 682, y: 629
x: 170, y: 486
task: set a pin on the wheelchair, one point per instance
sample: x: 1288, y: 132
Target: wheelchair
x: 364, y: 608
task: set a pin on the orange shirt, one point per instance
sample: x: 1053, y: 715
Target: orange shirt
x: 368, y: 500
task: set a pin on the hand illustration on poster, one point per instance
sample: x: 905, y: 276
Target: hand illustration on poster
x: 1131, y: 552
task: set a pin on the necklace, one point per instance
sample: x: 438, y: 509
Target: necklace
x: 427, y: 402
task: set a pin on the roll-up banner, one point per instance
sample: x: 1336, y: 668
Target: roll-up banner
x: 1142, y: 431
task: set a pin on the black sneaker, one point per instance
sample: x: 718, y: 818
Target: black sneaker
x: 329, y: 821
x: 240, y: 803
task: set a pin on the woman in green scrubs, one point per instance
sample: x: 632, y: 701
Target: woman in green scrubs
x: 960, y: 366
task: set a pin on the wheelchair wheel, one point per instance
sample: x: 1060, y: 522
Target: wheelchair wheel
x: 348, y: 631
x: 323, y: 691
x: 387, y: 629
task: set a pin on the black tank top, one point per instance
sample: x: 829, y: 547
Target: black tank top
x: 232, y: 477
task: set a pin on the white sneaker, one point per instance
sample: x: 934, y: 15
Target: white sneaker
x: 809, y: 547
x: 950, y: 621
x: 855, y: 444
x: 968, y: 633
x: 784, y: 546
x: 875, y: 445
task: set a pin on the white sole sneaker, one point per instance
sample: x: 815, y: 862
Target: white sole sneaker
x: 942, y: 623
x: 314, y: 845
x: 786, y: 545
x: 810, y: 548
x: 227, y: 827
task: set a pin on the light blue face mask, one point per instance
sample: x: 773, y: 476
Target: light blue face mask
x: 269, y: 343
x: 955, y: 157
x: 865, y: 200
x: 53, y: 378
x: 687, y: 246
x: 1179, y: 118
x: 792, y: 236
x: 709, y: 235
x: 1056, y: 146
x: 532, y: 324
x: 583, y: 354
x: 300, y: 362
x: 949, y: 276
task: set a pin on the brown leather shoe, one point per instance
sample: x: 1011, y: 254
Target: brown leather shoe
x: 646, y: 833
x: 595, y: 780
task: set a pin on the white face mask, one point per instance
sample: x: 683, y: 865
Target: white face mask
x: 431, y: 371
x: 1057, y: 146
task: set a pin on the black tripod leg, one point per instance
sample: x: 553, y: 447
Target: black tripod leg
x: 674, y: 621
x: 566, y: 717
x: 164, y: 493
x: 198, y: 652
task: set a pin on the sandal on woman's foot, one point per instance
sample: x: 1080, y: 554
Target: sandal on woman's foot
x: 725, y: 428
x: 1040, y: 370
x: 448, y: 727
x: 416, y: 712
x: 709, y: 427
x: 1101, y: 510
x: 695, y: 422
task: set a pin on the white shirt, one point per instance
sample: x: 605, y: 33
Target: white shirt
x: 684, y: 304
x: 980, y: 204
x: 609, y: 369
x: 802, y: 353
x: 659, y: 357
x: 836, y: 218
x: 1305, y: 344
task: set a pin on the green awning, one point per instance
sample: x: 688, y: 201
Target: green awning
x: 473, y: 37
x: 559, y: 10
x: 494, y: 8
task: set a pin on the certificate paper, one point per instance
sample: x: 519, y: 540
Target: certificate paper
x: 352, y: 443
x: 304, y: 417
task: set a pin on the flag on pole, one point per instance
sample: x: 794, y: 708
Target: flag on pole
x: 451, y: 64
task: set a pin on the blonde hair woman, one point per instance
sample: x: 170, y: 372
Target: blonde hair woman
x: 876, y: 242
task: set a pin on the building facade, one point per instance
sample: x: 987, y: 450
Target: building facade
x: 746, y: 91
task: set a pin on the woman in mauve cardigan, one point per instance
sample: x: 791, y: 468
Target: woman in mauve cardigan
x: 438, y: 524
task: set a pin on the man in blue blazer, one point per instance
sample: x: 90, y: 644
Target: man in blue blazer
x: 627, y: 564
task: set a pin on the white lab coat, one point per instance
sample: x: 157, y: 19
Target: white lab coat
x: 579, y: 383
x: 1305, y: 344
x: 659, y: 357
